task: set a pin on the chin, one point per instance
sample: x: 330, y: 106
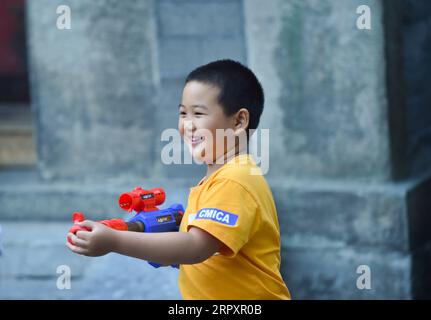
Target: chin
x: 197, y: 155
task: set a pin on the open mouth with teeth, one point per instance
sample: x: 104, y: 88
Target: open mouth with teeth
x: 195, y: 140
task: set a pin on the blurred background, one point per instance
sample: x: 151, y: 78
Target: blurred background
x: 348, y: 109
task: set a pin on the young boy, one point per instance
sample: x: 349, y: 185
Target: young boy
x: 228, y: 246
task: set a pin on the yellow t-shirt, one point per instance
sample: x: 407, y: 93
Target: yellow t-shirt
x: 236, y: 206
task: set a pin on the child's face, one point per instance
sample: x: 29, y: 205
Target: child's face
x: 200, y: 116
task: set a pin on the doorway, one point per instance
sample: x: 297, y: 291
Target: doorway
x: 16, y: 130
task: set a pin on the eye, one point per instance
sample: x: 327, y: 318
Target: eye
x: 199, y: 113
x: 182, y: 113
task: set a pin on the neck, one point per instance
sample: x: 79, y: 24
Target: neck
x: 211, y: 168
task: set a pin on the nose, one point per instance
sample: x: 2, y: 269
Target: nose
x: 188, y: 126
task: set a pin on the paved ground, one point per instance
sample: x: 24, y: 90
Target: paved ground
x: 32, y: 251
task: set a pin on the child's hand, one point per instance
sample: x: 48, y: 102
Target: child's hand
x: 97, y: 242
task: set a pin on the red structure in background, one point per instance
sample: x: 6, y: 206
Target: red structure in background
x: 13, y: 53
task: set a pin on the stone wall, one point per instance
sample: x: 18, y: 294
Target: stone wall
x: 84, y: 130
x: 417, y: 66
x: 338, y: 132
x: 349, y: 127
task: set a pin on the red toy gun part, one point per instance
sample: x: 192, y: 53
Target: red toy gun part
x: 148, y: 217
x: 117, y: 224
x: 77, y: 217
x: 142, y: 200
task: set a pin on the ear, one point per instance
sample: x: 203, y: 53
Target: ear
x: 242, y: 119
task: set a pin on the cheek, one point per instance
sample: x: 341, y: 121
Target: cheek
x: 206, y: 128
x: 211, y: 124
x: 181, y: 127
x: 215, y: 126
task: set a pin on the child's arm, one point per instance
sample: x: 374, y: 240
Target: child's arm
x: 165, y: 248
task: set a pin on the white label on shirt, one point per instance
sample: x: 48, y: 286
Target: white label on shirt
x: 192, y: 217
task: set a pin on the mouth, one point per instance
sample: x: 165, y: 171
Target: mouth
x: 194, y: 140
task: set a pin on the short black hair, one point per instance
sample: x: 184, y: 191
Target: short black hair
x: 238, y: 85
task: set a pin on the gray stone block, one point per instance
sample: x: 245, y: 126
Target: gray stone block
x: 1, y: 239
x: 337, y: 214
x: 333, y: 93
x: 262, y: 28
x: 93, y: 87
x: 32, y: 289
x: 331, y: 273
x: 179, y: 56
x: 224, y: 48
x: 384, y: 226
x: 33, y: 251
x: 119, y: 277
x: 193, y: 33
x: 24, y: 196
x: 196, y: 18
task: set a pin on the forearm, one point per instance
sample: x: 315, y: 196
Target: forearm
x: 165, y: 248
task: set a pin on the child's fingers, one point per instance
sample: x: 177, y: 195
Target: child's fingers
x: 82, y: 234
x: 77, y: 241
x: 87, y: 223
x: 76, y: 249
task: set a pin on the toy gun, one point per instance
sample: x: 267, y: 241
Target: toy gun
x: 148, y: 217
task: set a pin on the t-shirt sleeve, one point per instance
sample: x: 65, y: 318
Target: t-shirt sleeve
x: 228, y: 212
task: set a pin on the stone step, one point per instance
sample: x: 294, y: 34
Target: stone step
x: 33, y: 251
x: 24, y: 195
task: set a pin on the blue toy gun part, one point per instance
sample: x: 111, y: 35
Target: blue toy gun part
x: 164, y: 220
